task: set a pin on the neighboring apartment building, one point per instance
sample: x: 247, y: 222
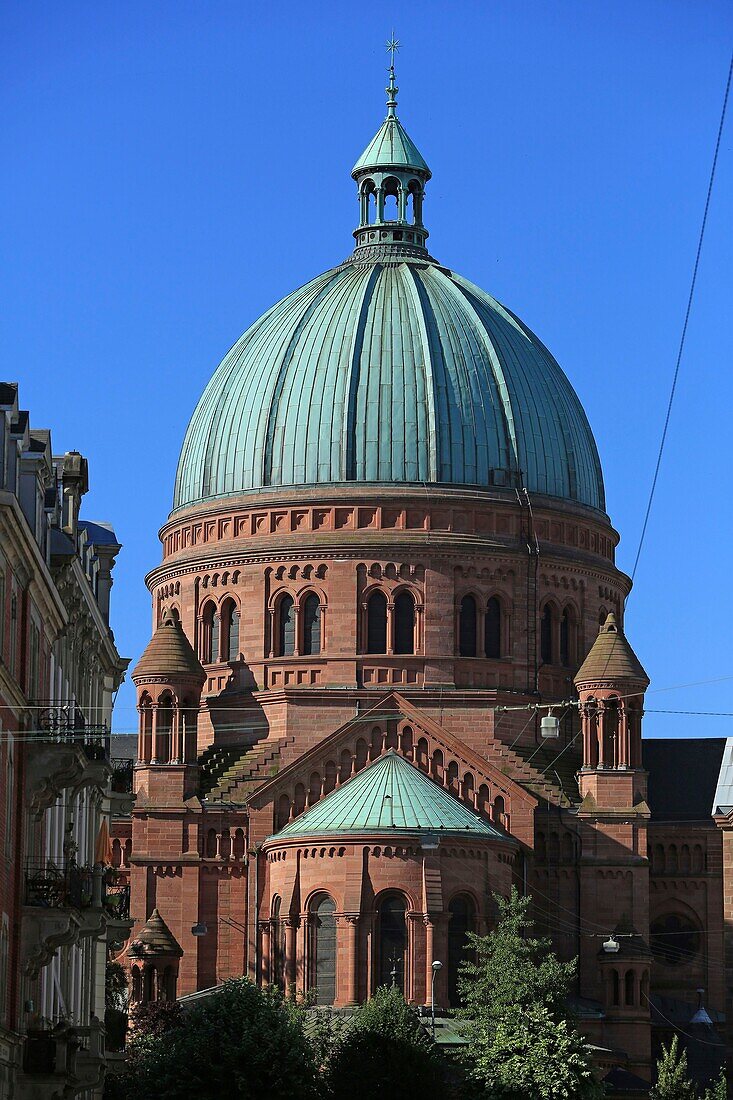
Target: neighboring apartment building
x: 60, y: 908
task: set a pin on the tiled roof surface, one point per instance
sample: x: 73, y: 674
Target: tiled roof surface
x: 387, y: 796
x: 611, y: 657
x: 169, y: 653
x: 157, y: 938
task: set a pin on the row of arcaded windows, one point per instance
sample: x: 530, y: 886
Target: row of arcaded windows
x: 391, y: 944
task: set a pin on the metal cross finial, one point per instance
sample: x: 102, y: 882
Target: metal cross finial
x: 392, y: 47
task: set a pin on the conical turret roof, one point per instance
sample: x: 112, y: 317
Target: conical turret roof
x: 389, y: 796
x: 155, y: 938
x: 391, y: 147
x: 169, y: 653
x: 611, y: 657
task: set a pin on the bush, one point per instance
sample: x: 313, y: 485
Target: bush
x: 385, y: 1053
x: 240, y: 1041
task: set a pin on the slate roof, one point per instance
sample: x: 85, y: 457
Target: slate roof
x: 683, y: 775
x: 611, y: 657
x: 387, y: 796
x: 169, y: 653
x: 98, y: 533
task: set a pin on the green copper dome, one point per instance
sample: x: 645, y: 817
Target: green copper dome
x: 389, y: 795
x: 389, y: 368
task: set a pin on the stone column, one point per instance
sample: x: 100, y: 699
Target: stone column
x: 264, y: 927
x: 290, y: 945
x: 352, y: 958
x: 429, y: 950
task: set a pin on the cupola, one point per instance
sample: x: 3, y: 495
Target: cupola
x: 391, y: 175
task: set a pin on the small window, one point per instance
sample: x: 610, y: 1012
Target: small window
x: 565, y: 632
x: 377, y: 623
x: 467, y: 627
x: 230, y: 630
x: 492, y: 628
x: 286, y: 627
x: 311, y: 612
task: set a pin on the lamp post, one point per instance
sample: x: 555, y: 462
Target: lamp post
x: 437, y: 965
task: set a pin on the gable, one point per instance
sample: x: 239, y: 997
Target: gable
x: 392, y: 724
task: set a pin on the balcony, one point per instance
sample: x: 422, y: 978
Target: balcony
x: 60, y: 907
x: 121, y: 795
x: 67, y: 751
x: 62, y: 1059
x: 117, y: 909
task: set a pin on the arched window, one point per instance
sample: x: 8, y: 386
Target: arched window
x: 311, y: 615
x: 565, y: 638
x: 209, y: 635
x: 404, y: 623
x: 546, y: 632
x: 146, y: 729
x: 163, y: 727
x: 230, y: 630
x: 467, y: 627
x: 377, y: 623
x: 610, y: 729
x: 462, y: 920
x: 392, y: 942
x: 285, y: 627
x: 323, y: 950
x: 629, y: 984
x: 137, y: 985
x: 492, y: 628
x: 615, y: 990
x: 674, y: 939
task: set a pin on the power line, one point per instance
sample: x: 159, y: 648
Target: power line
x: 686, y: 321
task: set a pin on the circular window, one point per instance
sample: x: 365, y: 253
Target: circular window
x: 674, y: 939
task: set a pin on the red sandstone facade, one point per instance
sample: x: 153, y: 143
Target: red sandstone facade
x: 288, y: 713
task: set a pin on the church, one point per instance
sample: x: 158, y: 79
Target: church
x: 388, y: 676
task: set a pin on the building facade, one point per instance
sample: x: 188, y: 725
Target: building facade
x: 388, y: 676
x: 59, y: 670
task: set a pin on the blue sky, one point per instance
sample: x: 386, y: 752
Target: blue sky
x: 172, y: 169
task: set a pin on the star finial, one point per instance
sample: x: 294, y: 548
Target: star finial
x: 392, y: 89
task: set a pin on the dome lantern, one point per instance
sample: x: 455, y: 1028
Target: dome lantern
x: 391, y: 175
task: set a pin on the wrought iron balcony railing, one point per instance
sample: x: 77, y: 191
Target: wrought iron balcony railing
x: 67, y: 722
x: 50, y: 887
x: 122, y: 772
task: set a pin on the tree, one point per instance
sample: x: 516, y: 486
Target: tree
x: 719, y: 1088
x: 385, y: 1053
x: 511, y: 968
x: 521, y: 1041
x: 673, y: 1081
x: 240, y: 1041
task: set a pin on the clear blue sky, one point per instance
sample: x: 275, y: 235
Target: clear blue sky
x: 173, y: 168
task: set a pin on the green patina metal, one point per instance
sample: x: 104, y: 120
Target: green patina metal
x: 389, y: 796
x: 389, y: 369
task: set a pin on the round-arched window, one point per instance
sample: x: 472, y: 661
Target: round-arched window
x: 674, y: 939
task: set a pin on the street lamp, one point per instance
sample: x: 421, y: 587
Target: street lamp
x: 437, y: 965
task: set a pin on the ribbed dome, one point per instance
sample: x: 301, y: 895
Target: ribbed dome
x: 394, y: 370
x: 389, y: 369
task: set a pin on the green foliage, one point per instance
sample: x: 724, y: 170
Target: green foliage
x: 385, y: 1053
x: 520, y: 1040
x: 115, y: 987
x: 241, y: 1041
x: 673, y: 1082
x: 718, y: 1090
x: 511, y: 968
x: 529, y: 1053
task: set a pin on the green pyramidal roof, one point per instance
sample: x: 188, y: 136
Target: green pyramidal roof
x: 389, y: 795
x: 391, y: 147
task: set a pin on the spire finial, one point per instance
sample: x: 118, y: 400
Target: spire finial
x: 392, y: 89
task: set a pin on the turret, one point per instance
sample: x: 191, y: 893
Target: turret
x: 154, y: 956
x: 611, y: 684
x: 169, y: 679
